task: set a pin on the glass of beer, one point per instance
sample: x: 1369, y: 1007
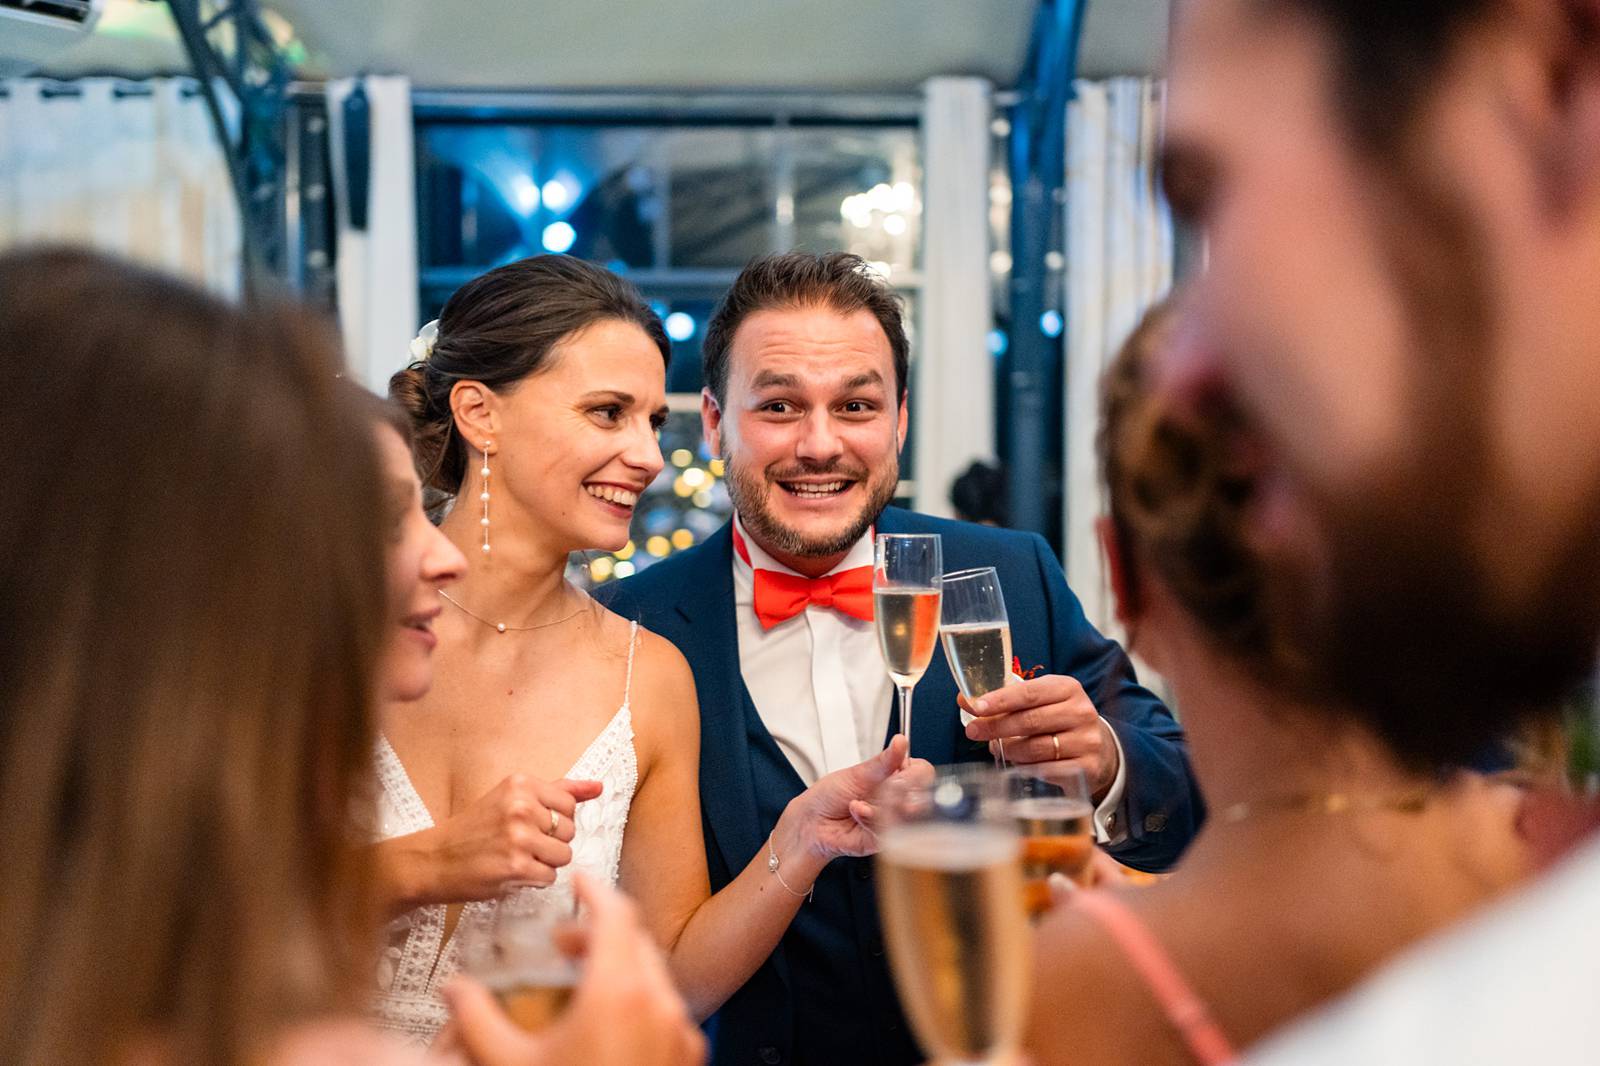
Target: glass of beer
x: 906, y: 577
x: 976, y: 633
x: 950, y: 895
x: 1055, y: 819
x: 515, y: 951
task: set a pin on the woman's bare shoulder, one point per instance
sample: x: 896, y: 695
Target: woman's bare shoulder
x: 1087, y: 1004
x: 666, y: 712
x: 663, y: 683
x: 657, y: 662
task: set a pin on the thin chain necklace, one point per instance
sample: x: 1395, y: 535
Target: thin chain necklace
x: 1412, y: 802
x: 501, y: 627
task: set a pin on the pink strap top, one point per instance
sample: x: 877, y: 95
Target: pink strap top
x: 1185, y: 1011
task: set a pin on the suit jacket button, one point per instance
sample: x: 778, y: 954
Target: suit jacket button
x: 863, y: 869
x: 1155, y: 822
x: 770, y: 1055
x: 877, y: 948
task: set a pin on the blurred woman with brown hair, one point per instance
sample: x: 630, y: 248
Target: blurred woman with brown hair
x: 192, y: 591
x: 191, y: 582
x: 1324, y: 851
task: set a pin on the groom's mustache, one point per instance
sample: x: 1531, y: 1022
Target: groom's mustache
x: 835, y: 468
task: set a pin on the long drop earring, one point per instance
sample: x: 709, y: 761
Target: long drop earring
x: 484, y: 495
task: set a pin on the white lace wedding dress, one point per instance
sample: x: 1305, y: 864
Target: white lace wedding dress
x: 416, y: 961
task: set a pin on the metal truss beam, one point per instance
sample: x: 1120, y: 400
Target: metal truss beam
x: 230, y: 46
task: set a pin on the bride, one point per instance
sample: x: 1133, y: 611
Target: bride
x: 557, y: 735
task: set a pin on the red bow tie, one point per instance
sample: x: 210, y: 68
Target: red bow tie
x: 779, y: 596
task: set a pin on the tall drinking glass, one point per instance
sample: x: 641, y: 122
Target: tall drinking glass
x: 950, y: 893
x: 906, y: 576
x: 976, y: 633
x: 1056, y: 821
x: 514, y: 951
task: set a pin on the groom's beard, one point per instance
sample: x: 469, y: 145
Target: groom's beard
x: 751, y: 492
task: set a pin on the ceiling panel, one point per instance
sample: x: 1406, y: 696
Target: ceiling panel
x: 875, y: 45
x: 836, y: 44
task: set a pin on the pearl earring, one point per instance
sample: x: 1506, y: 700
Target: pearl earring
x: 484, y: 495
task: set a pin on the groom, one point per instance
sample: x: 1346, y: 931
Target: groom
x: 805, y: 372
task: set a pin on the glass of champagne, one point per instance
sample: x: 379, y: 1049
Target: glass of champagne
x: 950, y: 894
x: 906, y: 575
x: 1055, y: 819
x: 514, y: 950
x: 976, y: 634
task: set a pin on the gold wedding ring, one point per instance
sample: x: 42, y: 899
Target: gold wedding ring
x: 555, y: 823
x: 1055, y: 740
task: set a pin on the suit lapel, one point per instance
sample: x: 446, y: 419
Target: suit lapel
x: 935, y: 717
x: 711, y: 643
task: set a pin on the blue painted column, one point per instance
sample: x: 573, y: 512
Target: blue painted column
x: 1038, y: 174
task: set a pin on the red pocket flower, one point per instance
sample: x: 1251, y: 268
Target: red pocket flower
x: 1026, y: 675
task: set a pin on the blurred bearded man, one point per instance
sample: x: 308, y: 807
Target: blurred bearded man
x: 1401, y: 202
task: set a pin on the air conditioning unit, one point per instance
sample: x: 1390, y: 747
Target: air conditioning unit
x: 33, y: 32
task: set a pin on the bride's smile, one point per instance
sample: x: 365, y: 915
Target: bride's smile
x: 617, y: 499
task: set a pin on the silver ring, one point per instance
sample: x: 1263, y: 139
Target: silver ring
x: 1055, y: 739
x: 555, y: 823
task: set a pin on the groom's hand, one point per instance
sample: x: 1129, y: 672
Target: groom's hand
x: 1048, y: 724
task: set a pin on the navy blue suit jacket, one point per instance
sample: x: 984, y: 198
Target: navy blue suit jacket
x: 825, y: 996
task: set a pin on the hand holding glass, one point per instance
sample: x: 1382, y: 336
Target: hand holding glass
x: 905, y: 590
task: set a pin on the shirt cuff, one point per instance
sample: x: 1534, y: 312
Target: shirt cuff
x: 1110, y: 821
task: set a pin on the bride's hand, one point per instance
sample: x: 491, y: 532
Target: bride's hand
x: 507, y: 837
x: 835, y: 813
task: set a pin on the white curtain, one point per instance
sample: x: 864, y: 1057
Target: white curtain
x: 1119, y: 261
x: 377, y: 268
x: 129, y: 168
x: 953, y: 421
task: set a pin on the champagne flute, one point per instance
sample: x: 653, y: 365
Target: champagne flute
x: 950, y: 893
x: 514, y: 951
x: 976, y: 634
x: 1055, y: 818
x: 905, y: 590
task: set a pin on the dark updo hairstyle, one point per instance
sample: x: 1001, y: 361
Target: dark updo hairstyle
x: 1176, y: 506
x: 499, y: 329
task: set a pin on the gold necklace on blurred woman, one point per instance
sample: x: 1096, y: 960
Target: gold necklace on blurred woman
x: 1412, y: 801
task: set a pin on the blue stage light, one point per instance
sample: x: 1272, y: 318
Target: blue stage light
x: 1050, y: 323
x: 680, y: 326
x: 559, y: 237
x: 524, y: 194
x: 559, y: 193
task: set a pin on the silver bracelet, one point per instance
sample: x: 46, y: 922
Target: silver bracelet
x: 772, y: 868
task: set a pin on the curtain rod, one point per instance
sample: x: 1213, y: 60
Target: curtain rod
x: 121, y: 89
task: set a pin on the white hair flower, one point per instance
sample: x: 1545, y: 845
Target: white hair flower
x: 423, y: 343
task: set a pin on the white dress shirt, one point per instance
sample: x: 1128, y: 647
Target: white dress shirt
x: 818, y: 680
